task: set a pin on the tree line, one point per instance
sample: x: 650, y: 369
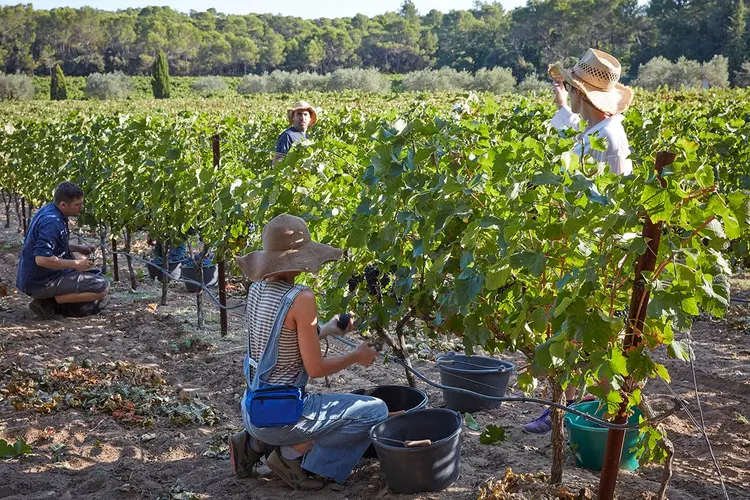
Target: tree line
x: 526, y: 39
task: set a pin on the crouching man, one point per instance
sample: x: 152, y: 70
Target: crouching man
x: 58, y: 282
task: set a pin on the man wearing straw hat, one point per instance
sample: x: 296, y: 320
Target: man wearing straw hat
x: 596, y: 96
x: 301, y: 116
x: 326, y: 434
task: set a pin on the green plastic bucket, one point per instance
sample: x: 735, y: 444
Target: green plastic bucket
x: 589, y: 441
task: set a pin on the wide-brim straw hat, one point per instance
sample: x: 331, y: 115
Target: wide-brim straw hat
x: 302, y: 105
x: 597, y: 76
x: 287, y: 246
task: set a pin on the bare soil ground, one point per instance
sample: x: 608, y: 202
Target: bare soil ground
x: 185, y: 386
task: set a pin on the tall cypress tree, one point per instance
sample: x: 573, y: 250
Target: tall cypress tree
x: 58, y: 91
x: 160, y: 76
x: 736, y: 47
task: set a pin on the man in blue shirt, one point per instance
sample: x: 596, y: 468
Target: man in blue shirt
x: 48, y: 271
x: 301, y: 116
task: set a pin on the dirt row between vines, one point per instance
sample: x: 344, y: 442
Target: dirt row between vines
x: 82, y: 454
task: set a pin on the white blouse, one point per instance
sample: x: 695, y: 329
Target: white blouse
x: 610, y: 129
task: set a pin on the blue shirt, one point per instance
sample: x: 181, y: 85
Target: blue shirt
x: 47, y: 236
x: 288, y: 138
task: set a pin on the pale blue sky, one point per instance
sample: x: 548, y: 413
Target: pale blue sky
x: 310, y: 9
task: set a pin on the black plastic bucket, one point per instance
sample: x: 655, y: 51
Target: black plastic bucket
x: 210, y: 277
x: 175, y: 269
x: 415, y: 469
x: 480, y: 374
x: 396, y: 398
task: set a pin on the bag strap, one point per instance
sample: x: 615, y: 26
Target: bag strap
x: 272, y: 344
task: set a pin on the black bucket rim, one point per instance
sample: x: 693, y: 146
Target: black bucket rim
x: 410, y: 414
x: 204, y: 267
x: 505, y: 366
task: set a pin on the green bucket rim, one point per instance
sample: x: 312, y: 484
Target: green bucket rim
x: 590, y: 407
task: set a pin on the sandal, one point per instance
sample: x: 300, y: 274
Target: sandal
x: 292, y: 473
x: 241, y: 455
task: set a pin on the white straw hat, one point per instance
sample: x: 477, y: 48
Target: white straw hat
x: 597, y: 76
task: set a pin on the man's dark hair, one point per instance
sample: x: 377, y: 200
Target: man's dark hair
x: 67, y: 192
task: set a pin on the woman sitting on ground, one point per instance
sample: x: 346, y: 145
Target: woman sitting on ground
x: 331, y: 435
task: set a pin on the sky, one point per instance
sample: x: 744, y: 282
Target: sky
x: 309, y: 9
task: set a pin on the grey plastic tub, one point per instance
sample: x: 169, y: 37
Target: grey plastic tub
x: 480, y: 374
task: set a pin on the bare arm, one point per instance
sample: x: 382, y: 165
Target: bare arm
x: 303, y: 316
x: 57, y: 263
x: 82, y: 249
x: 561, y: 95
x: 277, y: 158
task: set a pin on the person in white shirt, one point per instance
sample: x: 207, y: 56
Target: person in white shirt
x: 597, y: 97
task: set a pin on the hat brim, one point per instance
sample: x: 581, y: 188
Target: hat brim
x: 612, y: 102
x: 308, y: 258
x: 313, y: 115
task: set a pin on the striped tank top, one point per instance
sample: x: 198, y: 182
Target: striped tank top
x: 263, y: 303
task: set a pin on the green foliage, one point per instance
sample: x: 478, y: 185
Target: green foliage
x: 742, y: 76
x: 471, y: 423
x: 58, y: 89
x: 683, y: 73
x: 495, y: 80
x: 106, y: 86
x: 493, y: 434
x: 132, y: 394
x: 443, y: 79
x: 533, y: 85
x: 485, y: 36
x: 290, y: 82
x: 253, y: 84
x: 209, y: 86
x: 179, y: 492
x: 160, y: 77
x: 365, y: 80
x: 716, y: 72
x: 464, y: 216
x: 14, y: 450
x: 659, y: 71
x: 16, y: 87
x: 369, y: 80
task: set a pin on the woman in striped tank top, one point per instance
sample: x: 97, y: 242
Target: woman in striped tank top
x: 332, y: 434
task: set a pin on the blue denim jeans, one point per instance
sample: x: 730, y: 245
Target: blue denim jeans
x: 338, y: 425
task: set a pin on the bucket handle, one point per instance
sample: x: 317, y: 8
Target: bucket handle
x: 421, y: 443
x: 484, y: 369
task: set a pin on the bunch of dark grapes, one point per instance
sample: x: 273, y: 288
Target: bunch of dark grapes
x: 371, y: 277
x: 355, y: 280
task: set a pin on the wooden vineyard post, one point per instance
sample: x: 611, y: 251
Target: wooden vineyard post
x: 223, y: 298
x: 23, y: 214
x: 103, y: 245
x: 115, y: 270
x: 131, y: 272
x: 636, y: 320
x: 222, y: 263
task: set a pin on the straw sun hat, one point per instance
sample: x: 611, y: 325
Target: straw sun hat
x: 287, y: 246
x: 302, y: 105
x: 597, y: 76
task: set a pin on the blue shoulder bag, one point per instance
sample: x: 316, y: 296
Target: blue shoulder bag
x: 275, y: 405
